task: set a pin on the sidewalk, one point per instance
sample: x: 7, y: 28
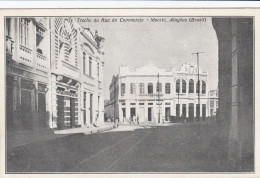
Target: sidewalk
x: 24, y: 137
x: 86, y: 130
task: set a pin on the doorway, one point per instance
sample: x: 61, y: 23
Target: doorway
x: 123, y: 110
x: 42, y: 110
x: 72, y: 112
x: 167, y: 113
x: 9, y: 102
x: 60, y: 112
x: 91, y: 108
x: 198, y: 111
x: 177, y: 110
x: 84, y: 106
x: 184, y: 110
x: 191, y: 110
x: 203, y: 111
x: 149, y: 114
x: 132, y: 112
x: 26, y: 109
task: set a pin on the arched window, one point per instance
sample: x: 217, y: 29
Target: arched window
x: 132, y: 88
x: 150, y: 88
x: 159, y: 87
x: 167, y: 88
x: 183, y: 86
x: 203, y: 87
x: 178, y: 86
x: 198, y: 87
x: 122, y: 89
x: 141, y: 88
x: 191, y: 86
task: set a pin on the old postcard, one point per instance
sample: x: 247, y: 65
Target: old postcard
x: 129, y: 91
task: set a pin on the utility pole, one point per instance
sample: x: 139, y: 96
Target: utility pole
x: 198, y: 68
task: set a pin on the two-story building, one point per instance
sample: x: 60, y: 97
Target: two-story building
x: 27, y: 72
x: 155, y: 94
x: 54, y: 76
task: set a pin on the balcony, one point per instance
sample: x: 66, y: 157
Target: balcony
x: 26, y: 55
x: 41, y: 61
x: 150, y: 96
x: 9, y: 47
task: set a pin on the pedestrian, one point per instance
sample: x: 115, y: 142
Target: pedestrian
x: 137, y: 119
x: 134, y: 119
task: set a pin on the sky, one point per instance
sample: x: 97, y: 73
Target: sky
x: 163, y: 43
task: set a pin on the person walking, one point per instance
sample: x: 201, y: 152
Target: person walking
x: 96, y: 121
x: 137, y: 119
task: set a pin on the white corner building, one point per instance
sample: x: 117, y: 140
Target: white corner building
x: 158, y: 94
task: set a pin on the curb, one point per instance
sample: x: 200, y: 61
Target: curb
x: 98, y: 130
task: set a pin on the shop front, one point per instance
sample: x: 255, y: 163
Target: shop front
x: 25, y: 100
x: 65, y: 99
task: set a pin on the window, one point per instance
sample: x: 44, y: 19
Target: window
x: 8, y: 26
x: 191, y: 86
x: 178, y: 86
x: 23, y: 25
x: 203, y: 87
x: 90, y: 66
x: 84, y: 63
x: 177, y: 110
x: 211, y: 103
x: 198, y: 87
x: 84, y: 100
x: 132, y: 88
x: 141, y: 88
x: 98, y: 71
x: 183, y: 86
x: 122, y: 89
x: 159, y: 87
x: 167, y: 88
x: 150, y: 88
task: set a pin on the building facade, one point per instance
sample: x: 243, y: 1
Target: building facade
x: 236, y: 86
x: 27, y: 72
x: 156, y: 94
x: 213, y: 102
x: 76, y: 75
x: 54, y: 74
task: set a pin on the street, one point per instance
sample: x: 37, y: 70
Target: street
x: 176, y: 148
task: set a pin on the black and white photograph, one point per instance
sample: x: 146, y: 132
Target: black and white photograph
x: 129, y: 94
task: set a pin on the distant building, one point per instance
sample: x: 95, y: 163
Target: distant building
x: 54, y: 74
x: 213, y: 102
x: 156, y: 94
